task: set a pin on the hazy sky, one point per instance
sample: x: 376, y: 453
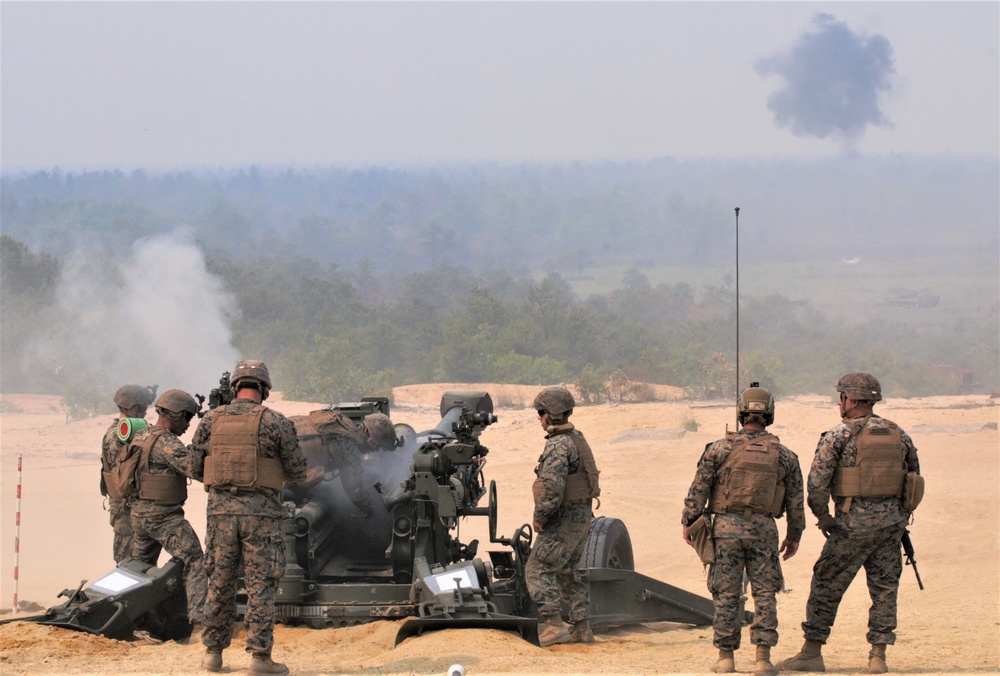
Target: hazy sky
x: 159, y: 85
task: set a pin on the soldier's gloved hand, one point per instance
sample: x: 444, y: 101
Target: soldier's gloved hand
x: 826, y: 524
x: 313, y: 476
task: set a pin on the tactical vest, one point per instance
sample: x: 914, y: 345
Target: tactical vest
x: 163, y: 489
x: 878, y: 471
x: 318, y: 429
x: 751, y: 485
x: 112, y: 480
x: 233, y: 459
x: 582, y: 485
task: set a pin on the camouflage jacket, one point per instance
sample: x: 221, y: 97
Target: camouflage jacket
x: 735, y: 525
x: 838, y: 447
x: 559, y: 459
x: 169, y: 455
x: 111, y: 445
x: 277, y: 440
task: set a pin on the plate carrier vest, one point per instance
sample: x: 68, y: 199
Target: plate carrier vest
x: 878, y: 472
x: 233, y: 460
x: 582, y: 485
x: 163, y: 489
x: 751, y: 485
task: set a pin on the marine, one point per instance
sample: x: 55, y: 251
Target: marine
x: 164, y: 466
x: 248, y: 451
x: 869, y: 467
x: 566, y: 484
x: 132, y: 402
x: 742, y: 484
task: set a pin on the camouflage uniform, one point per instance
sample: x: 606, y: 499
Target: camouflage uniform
x: 867, y: 533
x: 749, y: 544
x: 245, y: 525
x: 155, y: 525
x: 119, y: 510
x: 552, y: 573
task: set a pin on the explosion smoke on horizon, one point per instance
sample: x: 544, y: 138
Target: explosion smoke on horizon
x: 154, y: 315
x: 833, y: 79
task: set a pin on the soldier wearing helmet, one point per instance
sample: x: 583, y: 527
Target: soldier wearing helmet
x: 742, y: 484
x: 248, y: 452
x: 331, y: 439
x: 165, y: 464
x: 132, y: 402
x: 868, y: 465
x: 566, y: 483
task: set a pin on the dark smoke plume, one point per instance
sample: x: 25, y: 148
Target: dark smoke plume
x: 833, y: 80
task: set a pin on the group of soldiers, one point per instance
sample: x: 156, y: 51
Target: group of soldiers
x: 245, y: 452
x: 866, y: 464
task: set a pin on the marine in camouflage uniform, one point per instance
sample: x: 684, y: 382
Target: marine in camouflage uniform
x: 561, y: 519
x: 865, y: 531
x: 132, y: 402
x: 158, y: 511
x: 745, y: 540
x: 244, y: 526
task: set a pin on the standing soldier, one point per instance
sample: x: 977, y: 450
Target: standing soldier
x: 746, y: 480
x: 870, y: 468
x: 249, y: 452
x: 132, y: 402
x: 565, y: 486
x: 158, y: 520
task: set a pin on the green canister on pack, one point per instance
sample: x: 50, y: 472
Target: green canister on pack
x: 127, y: 427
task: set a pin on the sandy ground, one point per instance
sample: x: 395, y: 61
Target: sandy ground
x: 647, y: 465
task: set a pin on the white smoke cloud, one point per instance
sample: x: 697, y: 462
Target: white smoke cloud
x: 153, y: 314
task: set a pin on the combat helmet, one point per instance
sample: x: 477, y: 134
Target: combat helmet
x: 132, y: 396
x: 756, y: 404
x: 860, y: 386
x: 557, y: 401
x: 177, y: 402
x: 251, y: 371
x: 380, y: 431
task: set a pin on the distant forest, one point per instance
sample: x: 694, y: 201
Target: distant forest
x: 352, y: 281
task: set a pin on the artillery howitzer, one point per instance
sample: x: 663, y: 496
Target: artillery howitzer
x: 404, y: 561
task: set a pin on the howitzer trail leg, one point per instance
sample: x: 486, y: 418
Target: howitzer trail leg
x: 876, y: 659
x: 726, y: 664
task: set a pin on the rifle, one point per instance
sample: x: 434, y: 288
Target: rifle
x: 219, y: 396
x: 910, y: 556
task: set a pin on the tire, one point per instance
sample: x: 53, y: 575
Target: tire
x: 608, y: 545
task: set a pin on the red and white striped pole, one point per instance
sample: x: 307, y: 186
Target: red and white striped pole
x: 17, y: 531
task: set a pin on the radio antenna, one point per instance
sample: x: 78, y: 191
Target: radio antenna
x: 737, y: 318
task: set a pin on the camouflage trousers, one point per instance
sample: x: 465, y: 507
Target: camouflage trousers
x: 121, y: 522
x: 759, y: 558
x: 841, y: 559
x: 258, y: 542
x: 173, y: 533
x: 552, y: 574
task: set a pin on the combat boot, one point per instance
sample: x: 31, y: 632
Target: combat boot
x: 212, y: 661
x: 876, y: 659
x: 810, y: 658
x: 263, y: 664
x: 762, y: 666
x: 582, y: 633
x: 554, y: 632
x: 197, y: 629
x: 726, y: 664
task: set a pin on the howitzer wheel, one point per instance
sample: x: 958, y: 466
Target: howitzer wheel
x: 608, y: 545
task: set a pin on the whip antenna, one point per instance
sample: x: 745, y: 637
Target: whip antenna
x: 737, y: 317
